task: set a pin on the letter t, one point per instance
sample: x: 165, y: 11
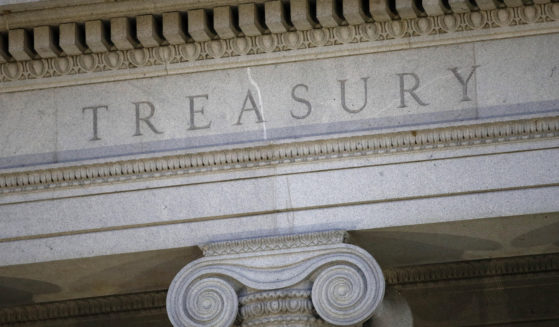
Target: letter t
x: 94, y: 112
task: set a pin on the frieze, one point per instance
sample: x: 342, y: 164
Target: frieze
x: 177, y: 165
x: 292, y: 45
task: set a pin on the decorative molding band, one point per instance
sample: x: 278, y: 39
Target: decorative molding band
x: 260, y: 156
x: 472, y: 269
x: 274, y: 243
x: 150, y: 301
x: 159, y: 51
x: 278, y: 307
x: 114, y: 304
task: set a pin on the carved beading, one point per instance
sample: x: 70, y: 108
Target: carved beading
x: 178, y: 165
x: 273, y: 243
x: 291, y: 307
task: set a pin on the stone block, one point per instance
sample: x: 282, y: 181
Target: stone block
x: 274, y: 13
x: 353, y: 11
x: 96, y: 37
x: 460, y: 6
x: 147, y: 31
x: 380, y: 10
x: 249, y: 20
x: 198, y: 27
x: 327, y: 13
x: 70, y: 39
x: 517, y: 3
x: 407, y: 9
x: 487, y: 4
x: 173, y: 28
x: 301, y: 15
x: 121, y: 34
x: 19, y: 44
x: 44, y: 44
x: 224, y: 22
x: 434, y: 7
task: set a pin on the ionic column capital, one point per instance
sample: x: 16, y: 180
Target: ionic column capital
x: 298, y: 280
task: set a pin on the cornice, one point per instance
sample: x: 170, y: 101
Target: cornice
x: 269, y: 155
x: 44, y: 64
x: 54, y: 12
x: 155, y: 301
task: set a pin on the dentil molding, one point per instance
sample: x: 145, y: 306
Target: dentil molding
x: 120, y: 48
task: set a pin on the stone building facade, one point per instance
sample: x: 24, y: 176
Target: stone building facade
x: 279, y: 163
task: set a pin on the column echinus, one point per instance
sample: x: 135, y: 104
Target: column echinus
x: 297, y: 280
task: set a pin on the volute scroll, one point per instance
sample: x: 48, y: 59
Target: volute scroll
x: 303, y: 280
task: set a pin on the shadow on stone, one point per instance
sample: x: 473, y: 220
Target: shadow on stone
x: 17, y: 291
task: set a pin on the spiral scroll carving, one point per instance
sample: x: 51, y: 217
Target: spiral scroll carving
x: 313, y: 280
x: 344, y: 295
x: 208, y: 302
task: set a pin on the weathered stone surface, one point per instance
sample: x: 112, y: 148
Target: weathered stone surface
x: 19, y: 44
x: 198, y: 26
x: 274, y: 13
x: 407, y: 9
x: 380, y: 9
x: 147, y: 31
x: 224, y: 24
x: 71, y: 42
x: 174, y: 28
x: 121, y: 34
x: 301, y: 15
x: 327, y: 13
x: 44, y: 42
x: 249, y: 20
x: 96, y: 37
x: 387, y: 146
x: 277, y: 197
x: 353, y: 11
x: 435, y: 7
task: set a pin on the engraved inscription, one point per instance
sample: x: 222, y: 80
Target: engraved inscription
x: 200, y: 112
x: 463, y: 82
x: 253, y: 107
x: 343, y: 96
x: 354, y: 98
x: 301, y: 100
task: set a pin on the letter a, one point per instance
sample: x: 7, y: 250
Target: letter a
x: 253, y: 107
